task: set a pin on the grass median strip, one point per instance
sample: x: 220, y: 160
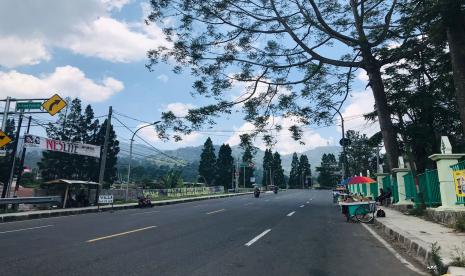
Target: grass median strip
x: 120, y: 234
x: 24, y: 229
x: 214, y: 212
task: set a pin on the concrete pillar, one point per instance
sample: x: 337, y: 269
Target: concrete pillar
x: 399, y: 173
x: 445, y: 174
x: 446, y: 179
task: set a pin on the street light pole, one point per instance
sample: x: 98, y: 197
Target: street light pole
x: 343, y: 143
x: 130, y: 154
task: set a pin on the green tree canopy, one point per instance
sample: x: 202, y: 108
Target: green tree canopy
x: 267, y: 167
x: 224, y: 167
x: 207, y: 163
x: 278, y: 172
x: 328, y: 171
x: 304, y: 170
x: 294, y: 173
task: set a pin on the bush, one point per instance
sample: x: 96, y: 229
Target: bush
x: 460, y: 224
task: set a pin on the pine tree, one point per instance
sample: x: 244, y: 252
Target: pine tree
x: 278, y: 172
x: 208, y: 163
x: 303, y: 170
x: 328, y: 175
x: 294, y: 173
x: 247, y: 159
x: 224, y: 167
x: 267, y: 164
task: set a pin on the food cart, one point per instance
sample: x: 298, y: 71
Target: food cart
x: 361, y: 211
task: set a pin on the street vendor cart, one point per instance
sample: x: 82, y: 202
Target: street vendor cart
x: 362, y: 211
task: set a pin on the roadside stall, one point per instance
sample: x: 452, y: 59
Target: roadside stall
x: 359, y: 207
x: 75, y: 193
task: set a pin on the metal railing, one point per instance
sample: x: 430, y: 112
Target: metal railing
x: 395, y: 191
x: 387, y: 183
x: 364, y: 189
x: 458, y: 167
x: 410, y: 187
x: 429, y: 187
x: 31, y: 200
x: 374, y: 189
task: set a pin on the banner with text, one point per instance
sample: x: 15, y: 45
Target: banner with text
x: 32, y: 141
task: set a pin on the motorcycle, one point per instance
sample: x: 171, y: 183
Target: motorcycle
x: 144, y: 202
x: 256, y: 192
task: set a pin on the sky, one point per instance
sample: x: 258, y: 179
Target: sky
x: 96, y: 50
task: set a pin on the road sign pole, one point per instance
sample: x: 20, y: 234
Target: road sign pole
x: 21, y: 161
x: 8, y: 181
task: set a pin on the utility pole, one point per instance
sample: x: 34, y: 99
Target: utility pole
x: 103, y: 158
x: 21, y: 161
x: 11, y: 168
x: 5, y: 113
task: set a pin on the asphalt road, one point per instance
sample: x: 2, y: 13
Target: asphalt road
x: 292, y: 233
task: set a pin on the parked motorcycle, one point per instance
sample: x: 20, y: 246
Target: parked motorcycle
x: 144, y: 202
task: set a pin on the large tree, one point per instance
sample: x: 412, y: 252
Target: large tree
x: 304, y: 170
x: 247, y: 170
x: 267, y: 168
x: 278, y: 172
x: 207, y: 163
x: 360, y: 155
x: 224, y: 167
x: 281, y: 50
x: 294, y: 173
x: 328, y: 172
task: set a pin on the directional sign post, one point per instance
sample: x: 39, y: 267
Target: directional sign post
x: 4, y: 139
x: 28, y: 105
x: 54, y: 104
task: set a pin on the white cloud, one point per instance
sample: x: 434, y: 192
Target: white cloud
x: 15, y: 52
x: 66, y: 81
x: 163, y: 77
x: 85, y: 27
x: 113, y: 40
x: 179, y: 109
x: 360, y: 103
x: 285, y: 143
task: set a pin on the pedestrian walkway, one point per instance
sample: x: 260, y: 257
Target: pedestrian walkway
x: 418, y: 235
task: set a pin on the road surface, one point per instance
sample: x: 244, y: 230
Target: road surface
x: 298, y: 232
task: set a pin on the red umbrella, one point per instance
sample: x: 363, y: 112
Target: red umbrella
x: 361, y: 180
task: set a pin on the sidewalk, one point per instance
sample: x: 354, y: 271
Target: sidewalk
x: 418, y: 235
x: 92, y: 209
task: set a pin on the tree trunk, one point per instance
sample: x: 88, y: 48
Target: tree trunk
x: 454, y: 21
x: 382, y: 109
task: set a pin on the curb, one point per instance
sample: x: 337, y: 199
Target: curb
x: 93, y: 209
x: 415, y: 247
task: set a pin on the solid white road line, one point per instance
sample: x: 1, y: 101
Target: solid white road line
x: 252, y: 241
x: 250, y: 203
x: 308, y: 202
x: 121, y: 234
x: 24, y: 229
x: 149, y: 212
x: 394, y: 252
x: 302, y: 206
x: 291, y: 213
x: 217, y: 211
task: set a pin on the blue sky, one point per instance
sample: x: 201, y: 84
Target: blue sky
x: 95, y: 50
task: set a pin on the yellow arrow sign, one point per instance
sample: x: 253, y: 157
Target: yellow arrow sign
x: 4, y: 139
x: 54, y: 104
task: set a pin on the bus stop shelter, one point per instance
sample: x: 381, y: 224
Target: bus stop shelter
x: 68, y: 186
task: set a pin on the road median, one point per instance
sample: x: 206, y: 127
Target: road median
x: 28, y: 215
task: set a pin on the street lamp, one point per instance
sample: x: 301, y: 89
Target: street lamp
x: 343, y: 143
x: 130, y: 154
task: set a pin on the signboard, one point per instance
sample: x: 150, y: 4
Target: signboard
x: 105, y: 199
x: 54, y: 104
x: 4, y: 139
x: 32, y: 141
x: 28, y: 105
x: 459, y: 180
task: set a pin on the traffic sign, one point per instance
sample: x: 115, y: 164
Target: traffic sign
x: 28, y: 105
x: 54, y: 104
x: 4, y: 139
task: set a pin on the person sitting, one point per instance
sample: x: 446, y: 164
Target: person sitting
x: 381, y: 196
